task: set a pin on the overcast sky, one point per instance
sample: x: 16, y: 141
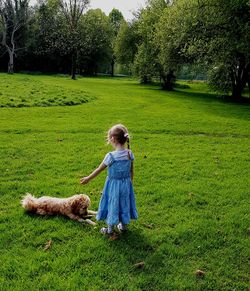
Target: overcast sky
x: 125, y: 6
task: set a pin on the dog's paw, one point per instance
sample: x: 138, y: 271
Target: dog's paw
x: 90, y: 222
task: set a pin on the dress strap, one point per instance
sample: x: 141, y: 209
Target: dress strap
x: 112, y: 159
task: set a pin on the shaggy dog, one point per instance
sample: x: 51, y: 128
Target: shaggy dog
x: 75, y: 207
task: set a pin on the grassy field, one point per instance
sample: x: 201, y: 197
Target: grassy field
x: 192, y: 186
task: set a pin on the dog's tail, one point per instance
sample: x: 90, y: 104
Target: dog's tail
x: 29, y: 202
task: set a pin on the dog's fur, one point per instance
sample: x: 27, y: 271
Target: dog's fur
x: 75, y: 207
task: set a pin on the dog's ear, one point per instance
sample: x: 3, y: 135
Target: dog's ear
x: 76, y: 205
x: 80, y: 201
x: 85, y: 200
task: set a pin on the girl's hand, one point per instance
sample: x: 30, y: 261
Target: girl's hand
x: 84, y: 180
x: 96, y: 172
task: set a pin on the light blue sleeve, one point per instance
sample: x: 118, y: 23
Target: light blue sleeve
x: 107, y: 160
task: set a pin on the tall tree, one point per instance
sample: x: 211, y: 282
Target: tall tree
x: 126, y: 44
x: 146, y: 63
x: 95, y: 42
x: 116, y: 19
x: 136, y: 42
x: 13, y: 16
x: 73, y: 10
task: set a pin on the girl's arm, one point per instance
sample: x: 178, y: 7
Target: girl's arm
x: 132, y: 171
x: 96, y: 172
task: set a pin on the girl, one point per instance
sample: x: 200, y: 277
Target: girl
x: 117, y: 205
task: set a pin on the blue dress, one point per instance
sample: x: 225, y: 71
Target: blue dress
x: 118, y: 201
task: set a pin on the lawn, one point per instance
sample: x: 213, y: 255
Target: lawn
x: 192, y: 186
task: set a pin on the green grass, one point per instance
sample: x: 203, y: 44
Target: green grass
x: 191, y: 182
x: 25, y: 91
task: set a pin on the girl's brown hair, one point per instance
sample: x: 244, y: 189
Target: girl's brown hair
x: 120, y: 133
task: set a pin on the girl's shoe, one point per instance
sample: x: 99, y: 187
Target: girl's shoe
x: 121, y: 227
x: 105, y: 230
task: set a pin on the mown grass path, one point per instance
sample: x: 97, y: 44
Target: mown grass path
x: 191, y: 181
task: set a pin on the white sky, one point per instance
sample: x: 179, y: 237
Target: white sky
x: 125, y: 6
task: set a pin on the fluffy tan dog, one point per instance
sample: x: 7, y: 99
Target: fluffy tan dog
x: 75, y: 207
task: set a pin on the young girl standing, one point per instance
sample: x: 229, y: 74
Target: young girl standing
x: 117, y: 204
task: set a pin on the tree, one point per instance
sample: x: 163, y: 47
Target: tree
x: 95, y: 47
x: 47, y: 47
x: 214, y: 33
x: 147, y: 63
x: 126, y: 44
x: 13, y: 16
x: 172, y: 36
x: 116, y: 19
x: 72, y: 11
x: 137, y: 45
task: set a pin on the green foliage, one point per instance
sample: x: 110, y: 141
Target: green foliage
x: 219, y: 79
x: 95, y: 41
x: 209, y: 32
x: 191, y: 184
x: 146, y: 63
x: 136, y: 44
x: 126, y: 43
x: 116, y: 19
x: 50, y: 30
x: 53, y: 40
x: 143, y: 64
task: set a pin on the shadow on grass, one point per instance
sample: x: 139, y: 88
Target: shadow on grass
x: 207, y: 101
x: 132, y: 244
x: 135, y: 247
x: 213, y: 96
x: 63, y: 218
x: 180, y: 91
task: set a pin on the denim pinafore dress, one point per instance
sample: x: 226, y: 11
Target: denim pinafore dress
x: 117, y: 203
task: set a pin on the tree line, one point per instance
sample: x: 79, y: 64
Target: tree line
x: 57, y: 36
x: 158, y: 43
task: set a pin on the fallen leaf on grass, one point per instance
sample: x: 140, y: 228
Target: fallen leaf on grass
x: 199, y: 273
x: 139, y: 265
x: 114, y: 237
x: 48, y: 245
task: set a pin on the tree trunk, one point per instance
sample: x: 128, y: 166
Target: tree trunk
x: 96, y: 70
x: 237, y: 91
x: 239, y: 81
x: 145, y: 79
x: 73, y: 66
x: 248, y: 81
x: 168, y: 81
x: 112, y: 67
x: 11, y: 63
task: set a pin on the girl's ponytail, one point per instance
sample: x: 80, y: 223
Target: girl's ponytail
x: 127, y: 139
x: 128, y: 144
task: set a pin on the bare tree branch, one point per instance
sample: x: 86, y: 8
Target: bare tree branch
x: 13, y: 15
